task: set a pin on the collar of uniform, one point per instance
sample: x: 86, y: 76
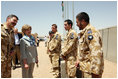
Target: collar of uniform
x: 5, y: 26
x: 69, y: 30
x: 55, y: 33
x: 87, y: 27
x: 11, y: 30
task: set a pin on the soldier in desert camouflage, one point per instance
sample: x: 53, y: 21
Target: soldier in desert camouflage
x: 7, y: 45
x: 69, y: 52
x: 55, y: 50
x: 90, y: 55
x: 48, y: 42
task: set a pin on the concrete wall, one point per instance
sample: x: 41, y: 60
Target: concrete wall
x: 109, y: 38
x: 63, y: 70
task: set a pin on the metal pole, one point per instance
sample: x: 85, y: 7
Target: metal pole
x: 64, y: 32
x: 73, y: 15
x: 67, y: 10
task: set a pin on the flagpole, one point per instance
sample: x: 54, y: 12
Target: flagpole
x: 63, y: 17
x: 73, y: 15
x: 67, y: 11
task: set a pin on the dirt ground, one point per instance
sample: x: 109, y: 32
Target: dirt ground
x: 44, y: 69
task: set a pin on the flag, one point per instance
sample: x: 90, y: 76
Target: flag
x: 62, y: 4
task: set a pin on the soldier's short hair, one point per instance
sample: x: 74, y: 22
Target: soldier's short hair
x: 83, y: 15
x: 54, y: 25
x: 11, y: 16
x: 69, y: 22
x: 26, y: 27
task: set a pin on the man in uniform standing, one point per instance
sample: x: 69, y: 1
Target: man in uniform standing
x: 69, y: 52
x: 90, y: 55
x: 55, y: 50
x: 49, y: 39
x: 7, y: 45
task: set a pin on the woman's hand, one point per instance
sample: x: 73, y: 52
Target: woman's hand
x: 26, y: 66
x: 37, y: 60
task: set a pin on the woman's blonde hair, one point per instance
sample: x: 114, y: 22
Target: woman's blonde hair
x: 26, y: 27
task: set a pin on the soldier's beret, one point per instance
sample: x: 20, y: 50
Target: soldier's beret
x: 50, y: 32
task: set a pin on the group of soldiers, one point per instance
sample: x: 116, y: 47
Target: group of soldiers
x: 83, y: 50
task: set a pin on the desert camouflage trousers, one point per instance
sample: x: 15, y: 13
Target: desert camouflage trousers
x: 54, y: 59
x: 70, y: 68
x: 6, y: 68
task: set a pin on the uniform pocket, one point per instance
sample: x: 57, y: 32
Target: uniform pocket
x: 55, y: 61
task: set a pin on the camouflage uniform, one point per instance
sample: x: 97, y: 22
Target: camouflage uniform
x: 7, y: 45
x: 48, y: 49
x: 70, y: 52
x: 90, y: 52
x: 55, y: 48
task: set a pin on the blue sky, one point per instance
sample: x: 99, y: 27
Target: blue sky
x: 42, y: 14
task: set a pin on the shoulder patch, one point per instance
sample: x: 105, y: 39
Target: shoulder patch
x: 56, y: 37
x: 90, y: 37
x: 89, y: 31
x: 72, y: 36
